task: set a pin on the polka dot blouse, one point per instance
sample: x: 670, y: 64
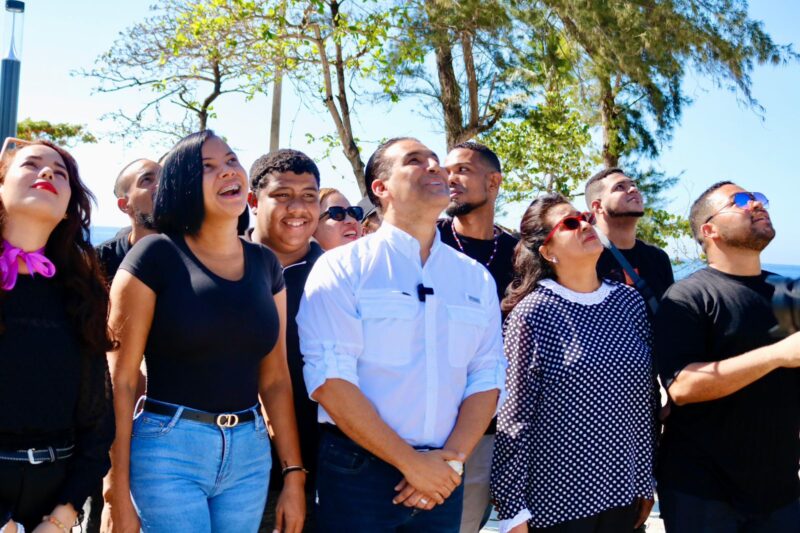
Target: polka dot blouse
x: 576, y: 435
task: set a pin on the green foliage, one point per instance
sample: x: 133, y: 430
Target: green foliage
x: 61, y: 133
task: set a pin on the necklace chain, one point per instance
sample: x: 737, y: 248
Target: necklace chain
x: 496, y: 232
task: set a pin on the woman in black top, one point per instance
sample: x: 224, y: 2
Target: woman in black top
x: 56, y: 422
x: 576, y: 436
x: 208, y: 310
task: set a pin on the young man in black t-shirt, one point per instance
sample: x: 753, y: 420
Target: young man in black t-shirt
x: 135, y: 188
x: 730, y: 451
x: 474, y: 177
x: 617, y: 205
x: 284, y: 197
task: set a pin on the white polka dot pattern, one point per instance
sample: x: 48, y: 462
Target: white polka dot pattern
x: 577, y: 433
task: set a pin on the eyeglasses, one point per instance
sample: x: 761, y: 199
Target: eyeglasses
x: 744, y: 201
x: 572, y: 223
x: 13, y: 143
x: 338, y: 213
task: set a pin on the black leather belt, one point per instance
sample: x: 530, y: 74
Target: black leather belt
x: 38, y: 456
x: 222, y: 420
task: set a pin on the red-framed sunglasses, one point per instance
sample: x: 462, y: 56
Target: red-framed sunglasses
x: 571, y: 222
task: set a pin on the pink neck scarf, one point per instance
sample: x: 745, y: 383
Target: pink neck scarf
x: 36, y: 262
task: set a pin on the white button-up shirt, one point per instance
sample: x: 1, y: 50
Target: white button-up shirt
x: 361, y: 320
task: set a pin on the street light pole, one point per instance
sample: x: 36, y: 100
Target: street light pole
x: 10, y: 67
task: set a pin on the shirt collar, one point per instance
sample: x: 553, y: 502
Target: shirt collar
x: 404, y: 243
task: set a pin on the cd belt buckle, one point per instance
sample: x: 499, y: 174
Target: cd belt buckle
x: 227, y: 421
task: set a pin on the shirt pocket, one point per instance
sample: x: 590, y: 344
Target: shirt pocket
x: 388, y: 322
x: 465, y: 328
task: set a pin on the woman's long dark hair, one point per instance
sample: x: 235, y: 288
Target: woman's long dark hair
x: 529, y: 265
x: 78, y: 273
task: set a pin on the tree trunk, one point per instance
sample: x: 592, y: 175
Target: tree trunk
x: 610, y: 150
x: 450, y: 94
x: 275, y: 117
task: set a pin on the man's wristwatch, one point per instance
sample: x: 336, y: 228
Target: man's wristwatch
x: 458, y: 466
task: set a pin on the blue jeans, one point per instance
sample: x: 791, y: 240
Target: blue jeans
x: 355, y: 491
x: 192, y: 476
x: 684, y: 512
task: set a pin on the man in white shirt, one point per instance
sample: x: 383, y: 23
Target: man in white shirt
x: 402, y: 346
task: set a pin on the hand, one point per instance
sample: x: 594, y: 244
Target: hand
x: 521, y: 528
x: 431, y: 476
x: 411, y: 497
x: 123, y: 517
x: 643, y: 508
x: 290, y: 511
x: 47, y: 527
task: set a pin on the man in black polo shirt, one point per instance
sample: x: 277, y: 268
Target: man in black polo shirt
x: 134, y: 188
x: 617, y: 205
x: 284, y: 197
x: 474, y: 178
x: 730, y: 450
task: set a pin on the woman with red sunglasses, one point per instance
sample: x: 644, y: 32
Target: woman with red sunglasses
x: 576, y: 436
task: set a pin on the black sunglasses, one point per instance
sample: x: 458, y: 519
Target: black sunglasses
x: 338, y: 213
x: 743, y: 200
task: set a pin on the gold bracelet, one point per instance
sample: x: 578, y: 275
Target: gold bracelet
x: 56, y: 522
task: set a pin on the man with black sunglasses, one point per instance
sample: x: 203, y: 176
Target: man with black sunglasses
x: 730, y: 451
x: 618, y: 205
x: 403, y: 350
x: 474, y: 178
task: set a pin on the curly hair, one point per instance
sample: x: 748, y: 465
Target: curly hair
x: 279, y: 161
x: 529, y: 265
x: 77, y: 267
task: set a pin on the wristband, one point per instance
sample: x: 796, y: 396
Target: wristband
x: 290, y: 469
x: 56, y: 522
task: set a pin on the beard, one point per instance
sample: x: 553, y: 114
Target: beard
x: 145, y: 220
x: 457, y: 209
x: 613, y: 213
x: 754, y: 239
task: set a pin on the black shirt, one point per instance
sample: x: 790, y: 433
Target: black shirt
x: 113, y: 251
x: 501, y: 268
x: 744, y: 448
x: 44, y: 400
x: 305, y: 408
x: 208, y: 334
x: 651, y: 263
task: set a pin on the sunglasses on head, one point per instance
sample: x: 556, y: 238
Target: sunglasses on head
x: 338, y: 213
x: 743, y: 200
x: 12, y: 143
x: 571, y: 222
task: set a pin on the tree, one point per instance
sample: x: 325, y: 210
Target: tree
x: 636, y: 55
x: 325, y: 47
x: 61, y: 133
x: 472, y: 84
x: 179, y: 60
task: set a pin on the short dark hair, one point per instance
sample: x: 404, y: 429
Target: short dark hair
x: 592, y: 188
x: 376, y: 166
x: 121, y: 188
x: 179, y: 201
x: 702, y: 209
x: 283, y: 160
x: 485, y: 152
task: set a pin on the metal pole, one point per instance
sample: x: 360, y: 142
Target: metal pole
x: 10, y: 70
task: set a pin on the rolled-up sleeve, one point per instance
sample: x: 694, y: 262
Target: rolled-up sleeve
x: 487, y: 370
x: 329, y: 326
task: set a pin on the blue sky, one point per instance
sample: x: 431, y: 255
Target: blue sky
x: 718, y: 137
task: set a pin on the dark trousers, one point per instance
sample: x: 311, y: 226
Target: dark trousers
x: 684, y: 512
x: 355, y: 491
x: 615, y: 520
x: 28, y: 492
